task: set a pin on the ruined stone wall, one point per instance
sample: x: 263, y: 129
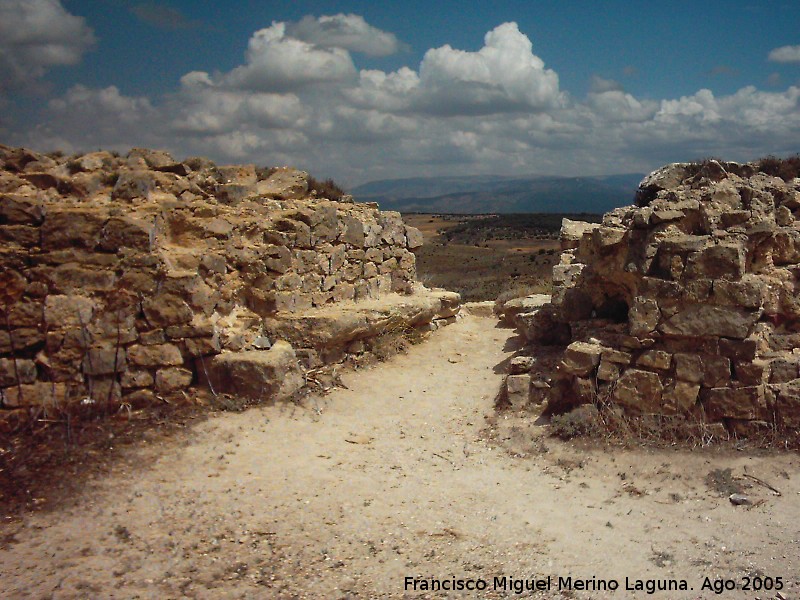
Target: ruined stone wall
x: 121, y: 277
x: 685, y: 305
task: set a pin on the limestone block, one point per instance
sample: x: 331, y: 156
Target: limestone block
x: 20, y: 209
x: 520, y: 365
x: 567, y: 275
x: 164, y: 310
x: 73, y: 278
x: 241, y: 174
x: 344, y: 291
x: 388, y: 266
x: 20, y: 235
x: 394, y: 230
x: 787, y: 404
x: 264, y: 375
x: 155, y: 356
x: 450, y: 303
x: 643, y: 316
x: 135, y: 183
x: 717, y: 262
x: 608, y: 371
x: 655, y: 359
x: 616, y: 356
x: 680, y: 397
x: 753, y: 372
x: 664, y: 216
x: 606, y: 238
x: 62, y: 311
x: 136, y: 379
x: 128, y: 232
x: 172, y: 379
x: 783, y: 369
x: 414, y: 238
x: 285, y: 183
x: 41, y: 393
x: 734, y: 403
x: 104, y: 360
x: 370, y: 270
x: 667, y: 177
x: 68, y: 228
x: 581, y: 358
x: 277, y: 258
x: 152, y: 158
x: 293, y: 301
x: 374, y: 255
x: 639, y: 391
x: 689, y: 367
x: 352, y: 271
x: 701, y: 320
x: 202, y: 346
x: 25, y: 313
x: 572, y: 232
x: 747, y: 293
x: 288, y: 282
x: 338, y: 258
x: 518, y: 390
x: 23, y: 339
x: 8, y: 371
x: 353, y: 233
x: 739, y: 349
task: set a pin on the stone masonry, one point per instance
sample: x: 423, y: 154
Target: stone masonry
x: 684, y: 305
x: 121, y: 278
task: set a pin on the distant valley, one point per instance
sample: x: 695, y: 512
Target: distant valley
x: 491, y: 194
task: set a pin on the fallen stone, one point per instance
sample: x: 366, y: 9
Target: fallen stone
x: 262, y: 375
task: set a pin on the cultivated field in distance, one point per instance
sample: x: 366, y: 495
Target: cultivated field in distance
x: 486, y: 257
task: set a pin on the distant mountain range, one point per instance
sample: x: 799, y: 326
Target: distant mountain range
x: 488, y: 194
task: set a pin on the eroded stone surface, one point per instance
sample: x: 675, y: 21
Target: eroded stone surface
x: 685, y: 304
x: 123, y: 277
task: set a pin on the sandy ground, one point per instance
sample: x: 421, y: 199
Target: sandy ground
x: 407, y: 474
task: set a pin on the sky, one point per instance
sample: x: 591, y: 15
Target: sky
x: 361, y: 91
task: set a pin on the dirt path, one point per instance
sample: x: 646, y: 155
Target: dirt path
x: 397, y: 477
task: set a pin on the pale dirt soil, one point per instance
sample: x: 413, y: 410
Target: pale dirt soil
x: 404, y: 473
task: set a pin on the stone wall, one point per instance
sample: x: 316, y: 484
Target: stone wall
x: 684, y: 305
x: 122, y: 277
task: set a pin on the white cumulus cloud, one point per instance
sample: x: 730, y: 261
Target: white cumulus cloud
x: 36, y: 35
x: 350, y: 32
x: 785, y: 54
x: 502, y: 76
x: 277, y: 62
x: 497, y: 110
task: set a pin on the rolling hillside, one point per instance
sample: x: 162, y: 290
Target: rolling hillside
x: 486, y: 194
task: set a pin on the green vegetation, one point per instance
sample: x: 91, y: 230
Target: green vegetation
x: 539, y: 226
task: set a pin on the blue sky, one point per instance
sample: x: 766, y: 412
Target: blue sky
x: 366, y: 90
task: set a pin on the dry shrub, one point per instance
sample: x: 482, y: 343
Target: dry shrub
x: 325, y: 189
x: 785, y: 168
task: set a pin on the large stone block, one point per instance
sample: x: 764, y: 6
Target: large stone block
x: 581, y: 358
x: 701, y: 320
x: 643, y: 316
x: 734, y: 403
x: 73, y: 228
x: 61, y: 311
x: 717, y: 262
x: 19, y: 209
x: 518, y: 390
x: 105, y: 360
x: 263, y: 375
x: 165, y: 310
x: 172, y: 379
x: 639, y: 391
x: 11, y: 368
x: 155, y: 356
